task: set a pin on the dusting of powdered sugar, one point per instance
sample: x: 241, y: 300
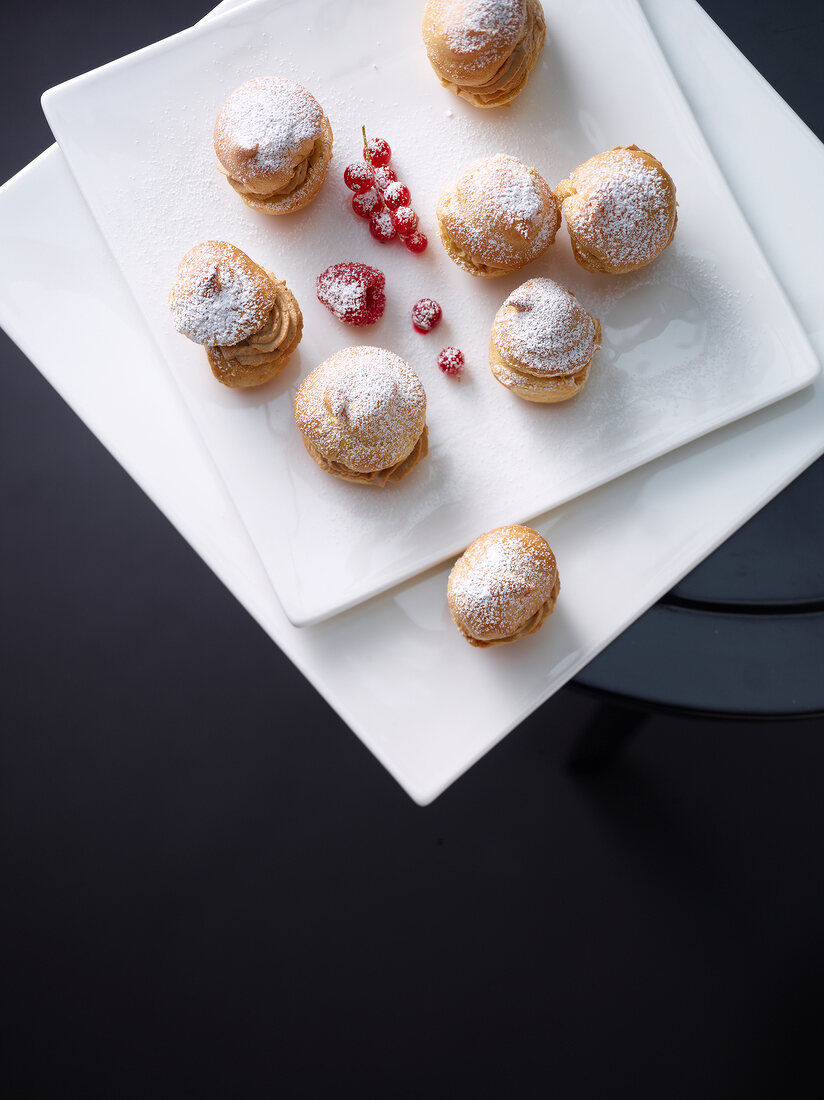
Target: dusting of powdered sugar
x: 543, y: 329
x: 478, y: 30
x: 272, y: 119
x: 363, y: 406
x: 219, y: 298
x: 623, y: 208
x: 493, y: 197
x: 501, y: 580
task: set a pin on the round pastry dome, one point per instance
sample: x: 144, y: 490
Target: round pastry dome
x: 273, y: 143
x: 220, y: 296
x: 497, y: 216
x: 363, y: 408
x: 484, y: 50
x: 620, y: 210
x: 470, y: 38
x: 503, y: 586
x: 542, y: 329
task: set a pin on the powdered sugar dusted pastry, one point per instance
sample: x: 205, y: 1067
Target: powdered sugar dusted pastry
x: 503, y: 587
x: 362, y: 414
x: 543, y: 342
x: 248, y: 319
x: 498, y: 216
x: 273, y: 143
x: 620, y: 210
x: 484, y: 50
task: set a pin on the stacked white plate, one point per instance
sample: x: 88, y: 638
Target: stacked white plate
x: 724, y: 342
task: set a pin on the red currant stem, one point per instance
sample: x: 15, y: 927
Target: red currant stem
x: 366, y: 148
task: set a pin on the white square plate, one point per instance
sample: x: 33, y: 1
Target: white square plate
x: 679, y: 507
x: 698, y: 339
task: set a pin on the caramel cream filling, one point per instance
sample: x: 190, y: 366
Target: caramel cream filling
x: 295, y: 181
x: 373, y: 477
x: 263, y: 354
x: 511, y: 75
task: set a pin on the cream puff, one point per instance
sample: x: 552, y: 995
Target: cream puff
x: 620, y: 210
x: 484, y: 50
x: 248, y: 319
x: 273, y: 143
x: 543, y: 342
x: 498, y: 216
x: 503, y: 587
x: 362, y: 415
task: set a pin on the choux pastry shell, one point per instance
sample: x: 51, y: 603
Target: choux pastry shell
x: 620, y: 210
x: 543, y: 342
x: 498, y: 216
x: 273, y: 143
x: 503, y: 587
x: 248, y: 320
x: 484, y: 50
x: 362, y: 415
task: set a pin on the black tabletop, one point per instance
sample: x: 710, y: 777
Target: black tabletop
x: 212, y: 889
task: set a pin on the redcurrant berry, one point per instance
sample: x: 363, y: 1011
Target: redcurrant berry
x: 396, y: 194
x: 416, y: 242
x: 451, y: 360
x: 358, y: 177
x: 379, y: 152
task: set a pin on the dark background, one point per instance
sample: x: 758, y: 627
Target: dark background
x: 211, y: 888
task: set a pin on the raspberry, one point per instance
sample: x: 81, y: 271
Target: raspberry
x: 405, y: 220
x: 451, y: 360
x: 383, y: 177
x: 416, y: 242
x: 381, y: 227
x: 353, y: 292
x: 396, y: 194
x: 379, y: 152
x: 359, y: 177
x: 426, y: 314
x: 367, y: 203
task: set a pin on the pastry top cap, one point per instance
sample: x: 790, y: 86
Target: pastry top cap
x: 500, y: 211
x: 542, y: 329
x: 363, y: 407
x: 500, y: 581
x: 220, y: 296
x: 470, y: 39
x: 620, y: 205
x: 265, y: 128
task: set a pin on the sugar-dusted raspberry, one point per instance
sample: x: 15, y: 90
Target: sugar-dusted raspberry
x: 416, y: 242
x: 367, y: 203
x: 381, y: 227
x: 383, y: 177
x: 379, y: 152
x: 451, y: 360
x: 353, y: 292
x: 405, y: 220
x: 426, y: 314
x: 358, y: 177
x: 396, y: 194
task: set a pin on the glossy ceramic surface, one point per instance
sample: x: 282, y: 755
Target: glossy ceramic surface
x: 699, y: 338
x: 425, y: 703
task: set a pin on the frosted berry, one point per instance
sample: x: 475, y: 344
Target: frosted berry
x: 451, y: 360
x: 416, y: 242
x: 405, y: 220
x: 426, y: 314
x: 353, y: 292
x: 383, y: 177
x: 379, y: 152
x: 367, y: 203
x: 359, y: 177
x: 396, y: 194
x: 381, y: 227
